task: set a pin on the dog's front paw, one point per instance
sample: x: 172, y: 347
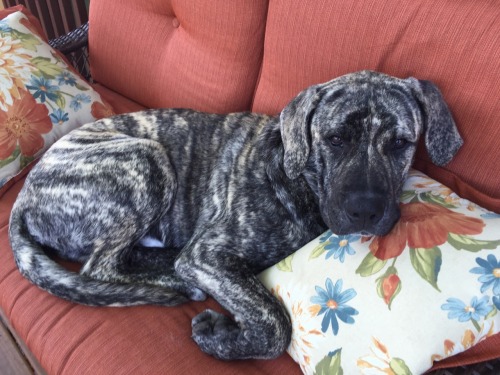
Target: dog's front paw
x: 216, y: 334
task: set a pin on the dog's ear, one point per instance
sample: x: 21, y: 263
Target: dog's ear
x: 295, y: 130
x: 442, y: 139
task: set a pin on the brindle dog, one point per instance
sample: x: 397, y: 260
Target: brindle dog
x: 224, y: 197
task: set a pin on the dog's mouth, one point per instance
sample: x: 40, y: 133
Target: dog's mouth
x: 362, y: 233
x: 344, y: 225
x: 375, y: 232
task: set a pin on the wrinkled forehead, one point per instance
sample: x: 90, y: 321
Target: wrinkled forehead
x: 388, y: 104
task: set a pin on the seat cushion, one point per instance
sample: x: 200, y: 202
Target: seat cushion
x: 193, y: 54
x: 456, y: 44
x: 117, y: 102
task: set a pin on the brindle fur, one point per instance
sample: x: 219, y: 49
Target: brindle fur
x: 223, y: 197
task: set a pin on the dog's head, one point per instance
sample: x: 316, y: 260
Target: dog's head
x: 354, y: 139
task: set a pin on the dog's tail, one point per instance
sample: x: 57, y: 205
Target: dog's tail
x: 35, y: 265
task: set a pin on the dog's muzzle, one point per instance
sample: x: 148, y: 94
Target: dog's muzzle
x: 368, y: 213
x: 364, y: 210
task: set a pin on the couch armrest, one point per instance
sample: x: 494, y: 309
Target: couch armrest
x: 74, y: 46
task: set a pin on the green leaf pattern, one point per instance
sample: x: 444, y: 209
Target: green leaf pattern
x: 46, y: 68
x: 330, y: 364
x: 286, y: 264
x: 427, y: 263
x: 466, y: 243
x: 370, y: 265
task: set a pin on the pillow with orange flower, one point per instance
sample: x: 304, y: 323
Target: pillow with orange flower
x: 41, y: 97
x: 395, y: 304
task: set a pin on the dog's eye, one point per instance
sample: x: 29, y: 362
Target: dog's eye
x: 336, y: 141
x: 400, y: 143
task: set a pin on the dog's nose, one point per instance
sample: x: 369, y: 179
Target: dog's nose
x: 364, y: 209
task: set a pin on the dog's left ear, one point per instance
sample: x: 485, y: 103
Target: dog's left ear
x: 442, y: 139
x: 295, y: 130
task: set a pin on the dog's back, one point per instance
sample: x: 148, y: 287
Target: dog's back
x: 108, y: 184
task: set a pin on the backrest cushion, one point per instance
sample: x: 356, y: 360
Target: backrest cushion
x: 170, y: 53
x: 454, y: 44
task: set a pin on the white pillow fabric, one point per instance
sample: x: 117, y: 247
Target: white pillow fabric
x: 394, y: 304
x: 41, y: 97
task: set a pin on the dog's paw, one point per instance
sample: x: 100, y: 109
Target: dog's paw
x: 221, y: 337
x: 215, y: 334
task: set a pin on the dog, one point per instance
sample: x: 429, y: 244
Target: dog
x: 164, y: 206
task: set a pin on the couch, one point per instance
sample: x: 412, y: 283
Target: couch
x: 221, y: 56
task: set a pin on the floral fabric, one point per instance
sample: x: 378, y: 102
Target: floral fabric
x: 41, y: 98
x: 394, y: 304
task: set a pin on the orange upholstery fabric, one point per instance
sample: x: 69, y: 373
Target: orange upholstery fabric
x: 454, y: 44
x: 193, y: 54
x: 119, y: 103
x: 73, y: 339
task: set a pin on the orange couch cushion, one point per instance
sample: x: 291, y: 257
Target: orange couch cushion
x: 454, y: 44
x: 117, y: 102
x: 165, y: 53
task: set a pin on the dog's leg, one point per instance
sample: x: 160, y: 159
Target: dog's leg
x: 155, y: 266
x: 153, y: 260
x: 261, y: 329
x: 122, y: 265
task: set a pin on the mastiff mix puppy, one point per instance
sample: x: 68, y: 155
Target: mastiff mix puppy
x: 222, y: 197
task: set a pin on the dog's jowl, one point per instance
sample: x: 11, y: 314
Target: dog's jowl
x: 222, y: 197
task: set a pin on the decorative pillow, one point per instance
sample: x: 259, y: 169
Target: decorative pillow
x: 41, y: 97
x: 394, y: 304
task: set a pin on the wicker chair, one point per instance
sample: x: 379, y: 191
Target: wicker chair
x: 74, y: 46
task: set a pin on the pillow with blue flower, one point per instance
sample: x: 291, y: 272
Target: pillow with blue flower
x: 395, y: 304
x: 41, y: 97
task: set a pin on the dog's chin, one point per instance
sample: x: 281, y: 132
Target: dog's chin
x: 357, y: 232
x: 382, y: 228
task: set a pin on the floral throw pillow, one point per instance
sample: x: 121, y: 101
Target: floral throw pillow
x: 395, y: 304
x: 41, y: 97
